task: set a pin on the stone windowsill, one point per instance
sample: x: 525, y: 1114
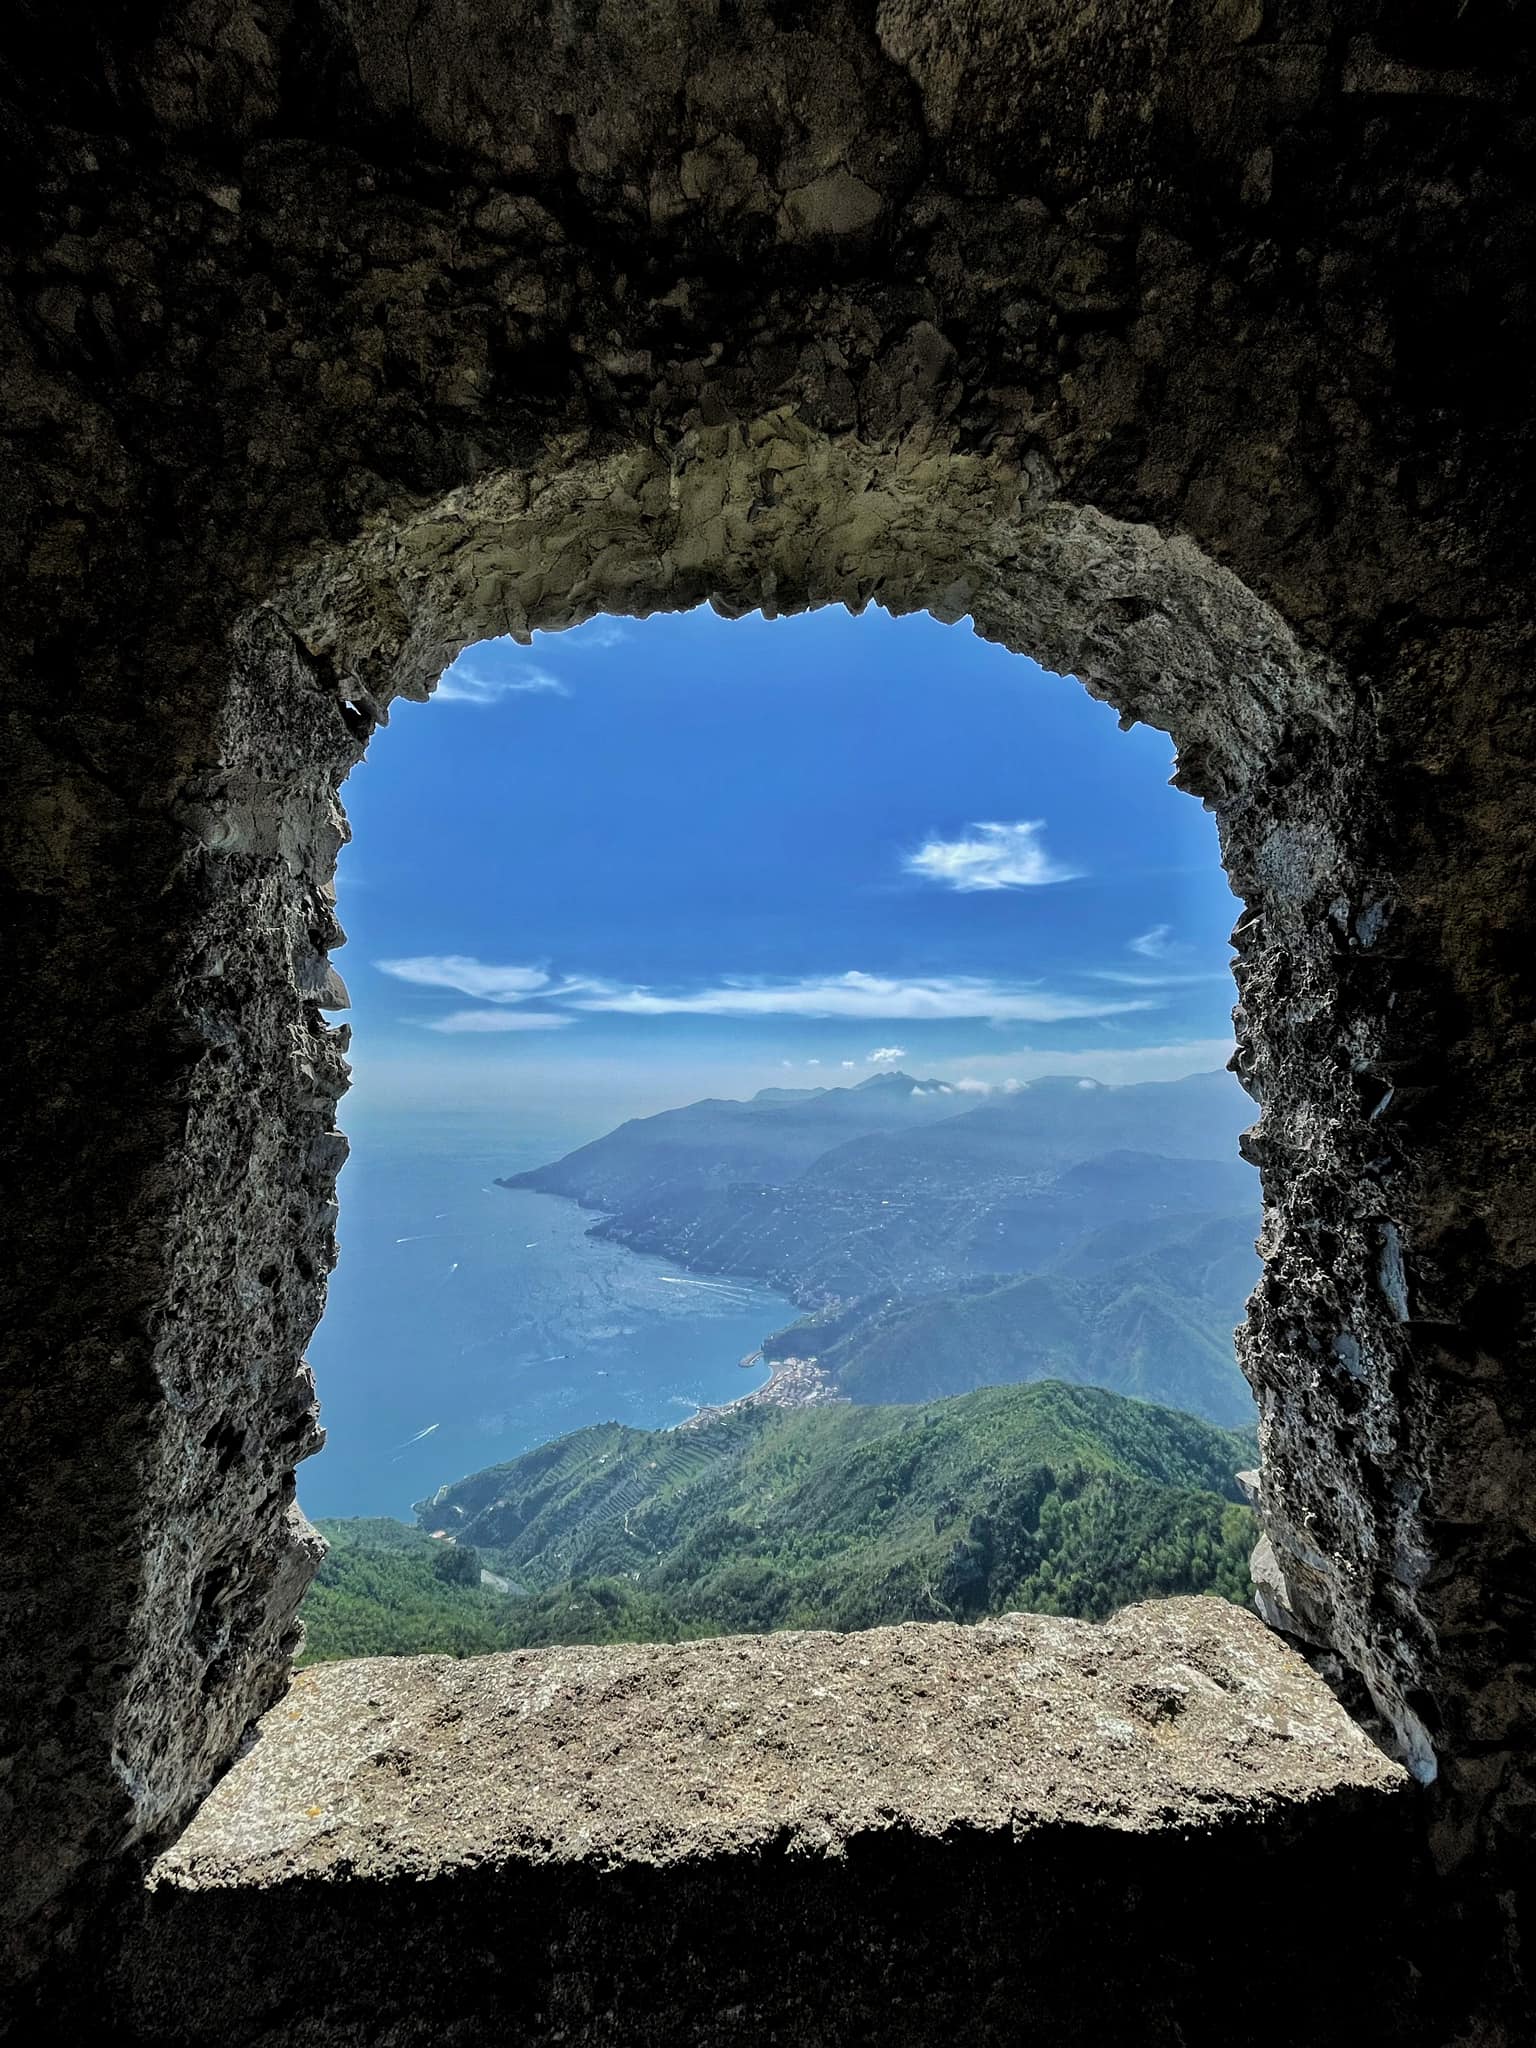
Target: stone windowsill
x: 1183, y: 1712
x: 787, y: 1838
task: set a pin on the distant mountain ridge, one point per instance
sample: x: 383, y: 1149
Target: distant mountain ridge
x: 1133, y: 1326
x: 718, y: 1143
x: 907, y: 1213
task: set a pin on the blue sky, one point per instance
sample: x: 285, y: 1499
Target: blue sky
x: 649, y: 860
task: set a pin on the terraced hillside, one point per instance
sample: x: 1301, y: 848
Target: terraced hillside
x: 1158, y: 1326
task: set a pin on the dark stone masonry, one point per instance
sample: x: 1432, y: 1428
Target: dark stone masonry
x: 1190, y: 349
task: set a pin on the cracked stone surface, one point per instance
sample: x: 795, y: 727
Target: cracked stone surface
x: 1190, y: 348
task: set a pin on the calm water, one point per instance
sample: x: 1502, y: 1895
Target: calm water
x: 480, y: 1322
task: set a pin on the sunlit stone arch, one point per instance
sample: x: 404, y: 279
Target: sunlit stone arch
x: 775, y: 517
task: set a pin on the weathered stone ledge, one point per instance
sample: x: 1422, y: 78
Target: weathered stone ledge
x: 917, y: 1834
x: 1187, y: 1712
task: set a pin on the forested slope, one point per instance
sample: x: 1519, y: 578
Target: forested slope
x: 1055, y: 1498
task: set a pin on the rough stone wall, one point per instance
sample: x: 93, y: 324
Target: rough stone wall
x: 1188, y: 347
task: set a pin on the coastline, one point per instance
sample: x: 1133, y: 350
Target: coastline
x: 477, y: 1354
x: 803, y: 1301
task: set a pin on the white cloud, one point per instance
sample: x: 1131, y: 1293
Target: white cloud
x: 599, y: 635
x: 850, y: 1063
x: 919, y: 1091
x: 1168, y: 963
x: 969, y: 1085
x: 467, y: 976
x: 471, y: 682
x: 993, y: 857
x: 867, y: 996
x: 886, y: 1055
x: 498, y: 1020
x: 1159, y: 980
x: 1116, y: 1065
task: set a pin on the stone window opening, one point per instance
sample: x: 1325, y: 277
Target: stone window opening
x: 774, y: 518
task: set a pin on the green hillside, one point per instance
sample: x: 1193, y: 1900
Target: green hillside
x: 387, y: 1590
x: 903, y: 1211
x: 1126, y: 1329
x: 1062, y: 1499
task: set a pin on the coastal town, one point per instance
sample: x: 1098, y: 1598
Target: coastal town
x: 791, y: 1383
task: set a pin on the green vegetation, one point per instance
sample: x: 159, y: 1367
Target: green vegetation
x: 380, y: 1592
x: 388, y: 1590
x: 1062, y: 1499
x: 1126, y: 1329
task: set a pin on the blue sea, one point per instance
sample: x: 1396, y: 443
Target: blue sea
x: 467, y: 1323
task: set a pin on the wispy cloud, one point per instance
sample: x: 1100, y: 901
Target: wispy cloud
x: 468, y: 977
x: 992, y: 856
x: 1167, y: 961
x: 1109, y: 1063
x: 886, y: 1055
x: 866, y: 996
x: 598, y: 635
x: 856, y: 997
x: 497, y: 1020
x: 1167, y: 980
x: 474, y: 681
